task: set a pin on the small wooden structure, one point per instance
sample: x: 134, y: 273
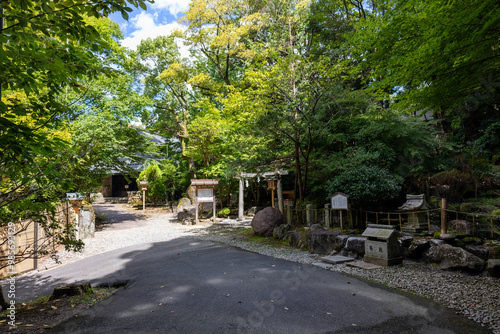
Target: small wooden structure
x: 205, y: 193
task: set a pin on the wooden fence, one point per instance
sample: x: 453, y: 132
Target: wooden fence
x: 30, y: 239
x: 483, y: 225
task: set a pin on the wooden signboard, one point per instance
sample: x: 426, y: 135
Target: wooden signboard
x: 339, y: 201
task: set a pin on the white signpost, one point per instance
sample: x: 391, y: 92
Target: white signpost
x: 205, y: 193
x: 340, y: 202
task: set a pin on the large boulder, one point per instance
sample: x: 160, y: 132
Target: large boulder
x: 322, y: 242
x: 184, y: 204
x: 450, y: 257
x: 356, y: 245
x: 265, y: 221
x: 462, y: 227
x: 417, y: 248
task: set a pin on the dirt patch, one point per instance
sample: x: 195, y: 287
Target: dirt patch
x: 43, y: 314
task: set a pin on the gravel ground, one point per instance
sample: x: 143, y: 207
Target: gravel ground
x: 475, y: 297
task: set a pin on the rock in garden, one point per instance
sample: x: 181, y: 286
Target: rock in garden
x: 480, y: 252
x: 494, y: 267
x: 293, y: 237
x: 356, y: 245
x: 316, y: 227
x: 406, y: 241
x: 436, y: 242
x: 450, y: 257
x: 267, y: 220
x: 184, y: 204
x: 417, y: 248
x: 460, y: 227
x: 321, y: 241
x: 340, y: 241
x: 253, y: 211
x: 281, y: 231
x: 183, y: 216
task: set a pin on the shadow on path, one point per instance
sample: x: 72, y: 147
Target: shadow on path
x: 117, y: 217
x: 191, y: 286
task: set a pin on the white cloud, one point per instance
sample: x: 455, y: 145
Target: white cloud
x: 175, y: 7
x: 146, y: 27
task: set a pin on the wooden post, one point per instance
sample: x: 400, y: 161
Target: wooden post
x: 272, y: 197
x: 400, y: 224
x: 428, y: 220
x: 444, y: 222
x: 289, y: 214
x: 340, y: 220
x: 240, y: 199
x: 376, y: 215
x: 280, y: 196
x: 214, y: 216
x: 143, y: 199
x: 492, y: 232
x: 388, y: 218
x: 197, y: 205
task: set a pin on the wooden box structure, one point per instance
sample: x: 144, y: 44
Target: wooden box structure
x: 382, y: 246
x: 205, y: 193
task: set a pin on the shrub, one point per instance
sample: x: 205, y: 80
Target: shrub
x: 366, y: 185
x: 224, y: 212
x: 156, y: 188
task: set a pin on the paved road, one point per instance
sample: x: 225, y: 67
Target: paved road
x: 190, y: 286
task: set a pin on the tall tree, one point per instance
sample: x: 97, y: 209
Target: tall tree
x: 45, y: 47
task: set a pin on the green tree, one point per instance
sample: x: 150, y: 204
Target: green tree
x: 437, y: 55
x: 45, y: 48
x: 366, y: 185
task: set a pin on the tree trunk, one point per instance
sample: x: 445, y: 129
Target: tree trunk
x: 298, y: 168
x: 3, y: 302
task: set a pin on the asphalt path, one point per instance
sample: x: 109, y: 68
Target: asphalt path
x: 192, y: 286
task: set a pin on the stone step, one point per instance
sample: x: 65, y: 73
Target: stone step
x: 323, y: 265
x: 364, y: 265
x: 336, y: 259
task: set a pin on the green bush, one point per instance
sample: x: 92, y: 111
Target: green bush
x: 366, y: 185
x: 224, y: 212
x: 156, y: 188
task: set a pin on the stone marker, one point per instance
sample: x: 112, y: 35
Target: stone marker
x: 382, y: 246
x: 414, y: 207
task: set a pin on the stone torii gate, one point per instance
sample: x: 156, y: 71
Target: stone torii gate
x: 276, y: 175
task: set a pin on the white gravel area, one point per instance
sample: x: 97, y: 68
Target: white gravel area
x: 475, y: 297
x: 158, y: 228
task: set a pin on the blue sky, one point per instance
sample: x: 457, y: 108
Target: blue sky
x: 159, y: 20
